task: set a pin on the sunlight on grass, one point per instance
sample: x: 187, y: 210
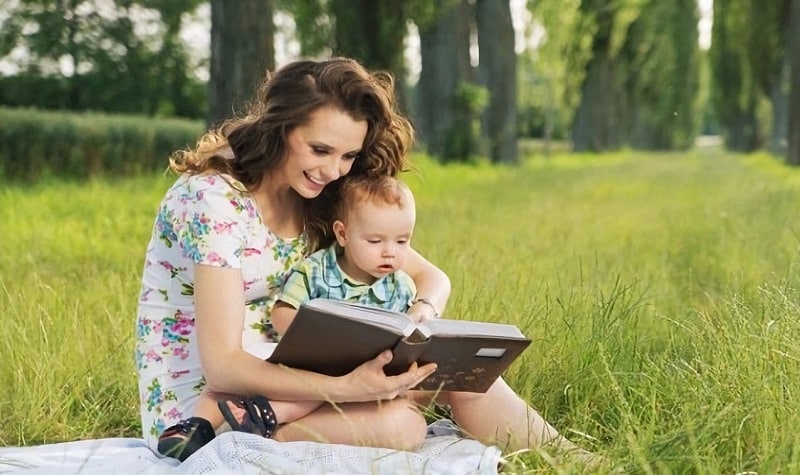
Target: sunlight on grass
x: 661, y: 291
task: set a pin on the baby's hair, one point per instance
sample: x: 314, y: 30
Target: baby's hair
x: 375, y: 189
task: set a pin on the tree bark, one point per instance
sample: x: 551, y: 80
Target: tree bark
x: 780, y: 110
x: 444, y: 44
x: 498, y: 72
x: 373, y: 32
x: 242, y: 51
x: 595, y: 127
x: 793, y: 50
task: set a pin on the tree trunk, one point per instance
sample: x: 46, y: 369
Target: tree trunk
x: 444, y: 44
x: 595, y: 127
x: 498, y: 72
x: 793, y: 50
x: 779, y: 99
x: 242, y: 51
x: 373, y: 32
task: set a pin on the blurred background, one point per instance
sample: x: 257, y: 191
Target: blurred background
x: 479, y: 78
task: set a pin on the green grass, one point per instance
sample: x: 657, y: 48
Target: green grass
x: 661, y: 291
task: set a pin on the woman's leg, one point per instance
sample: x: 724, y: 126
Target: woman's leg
x: 395, y: 424
x: 500, y: 417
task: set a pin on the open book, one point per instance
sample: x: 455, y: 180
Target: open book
x: 334, y: 337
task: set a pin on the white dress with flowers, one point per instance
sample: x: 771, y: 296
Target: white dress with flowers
x: 206, y: 219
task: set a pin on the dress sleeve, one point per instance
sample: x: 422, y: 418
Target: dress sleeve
x: 213, y: 230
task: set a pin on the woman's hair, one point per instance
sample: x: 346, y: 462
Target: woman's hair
x: 286, y: 100
x: 385, y: 190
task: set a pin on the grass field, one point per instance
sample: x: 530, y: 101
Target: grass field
x: 661, y: 291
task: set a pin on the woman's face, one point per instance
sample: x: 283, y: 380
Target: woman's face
x: 322, y: 150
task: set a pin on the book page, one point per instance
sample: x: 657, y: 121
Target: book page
x: 444, y: 326
x: 394, y: 321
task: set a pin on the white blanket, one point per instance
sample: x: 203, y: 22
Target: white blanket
x: 444, y: 452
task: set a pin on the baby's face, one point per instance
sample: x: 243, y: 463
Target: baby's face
x: 378, y: 239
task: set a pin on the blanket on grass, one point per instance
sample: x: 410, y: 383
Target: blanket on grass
x: 444, y: 452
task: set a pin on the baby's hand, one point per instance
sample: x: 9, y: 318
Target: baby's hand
x: 421, y: 311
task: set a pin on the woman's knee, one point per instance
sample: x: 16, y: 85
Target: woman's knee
x: 405, y: 424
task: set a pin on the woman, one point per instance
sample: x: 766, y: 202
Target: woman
x: 252, y: 199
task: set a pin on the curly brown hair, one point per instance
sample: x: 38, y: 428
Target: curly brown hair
x: 286, y: 100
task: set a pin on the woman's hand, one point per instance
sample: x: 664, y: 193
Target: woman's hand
x: 369, y: 383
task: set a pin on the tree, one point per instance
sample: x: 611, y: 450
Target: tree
x: 171, y: 60
x: 85, y: 55
x: 658, y: 65
x: 446, y: 71
x: 735, y: 92
x: 767, y: 39
x: 597, y: 126
x: 550, y: 76
x: 373, y: 31
x: 242, y: 51
x: 370, y: 31
x: 498, y: 72
x: 793, y: 153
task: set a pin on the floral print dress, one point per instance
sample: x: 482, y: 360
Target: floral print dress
x: 208, y: 219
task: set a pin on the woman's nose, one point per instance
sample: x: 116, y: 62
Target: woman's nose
x: 333, y: 169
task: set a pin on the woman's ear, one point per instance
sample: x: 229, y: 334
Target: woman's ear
x: 340, y: 231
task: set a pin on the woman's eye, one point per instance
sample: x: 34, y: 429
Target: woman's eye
x: 350, y: 156
x: 319, y: 151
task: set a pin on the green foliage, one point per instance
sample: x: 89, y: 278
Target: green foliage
x: 747, y: 52
x: 313, y: 24
x: 81, y: 57
x: 661, y: 291
x: 550, y: 76
x: 660, y: 66
x: 36, y: 144
x: 461, y: 140
x: 644, y: 59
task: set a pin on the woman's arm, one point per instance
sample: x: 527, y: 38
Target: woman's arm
x: 433, y: 287
x: 282, y: 316
x: 219, y: 302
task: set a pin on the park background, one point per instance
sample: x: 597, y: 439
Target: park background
x: 616, y: 177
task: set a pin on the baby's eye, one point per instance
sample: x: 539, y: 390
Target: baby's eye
x: 402, y: 241
x: 374, y: 241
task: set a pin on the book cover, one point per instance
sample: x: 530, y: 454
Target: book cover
x: 333, y: 337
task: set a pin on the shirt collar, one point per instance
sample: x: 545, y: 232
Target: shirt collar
x: 382, y: 290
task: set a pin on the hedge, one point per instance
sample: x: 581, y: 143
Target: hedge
x: 35, y: 144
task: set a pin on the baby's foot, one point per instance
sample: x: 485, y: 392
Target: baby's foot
x: 254, y: 415
x: 239, y: 413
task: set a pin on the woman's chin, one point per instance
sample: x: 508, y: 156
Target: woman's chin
x: 308, y: 192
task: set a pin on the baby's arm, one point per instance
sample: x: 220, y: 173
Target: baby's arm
x: 433, y: 288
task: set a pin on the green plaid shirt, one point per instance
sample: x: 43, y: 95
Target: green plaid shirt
x: 319, y: 276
